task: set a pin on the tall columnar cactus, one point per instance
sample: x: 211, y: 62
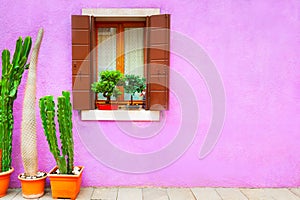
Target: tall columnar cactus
x: 28, y: 131
x: 65, y: 157
x: 11, y: 78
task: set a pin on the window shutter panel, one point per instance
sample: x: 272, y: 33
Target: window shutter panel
x: 81, y: 63
x: 158, y: 62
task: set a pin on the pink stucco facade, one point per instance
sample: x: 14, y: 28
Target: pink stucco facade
x: 254, y: 46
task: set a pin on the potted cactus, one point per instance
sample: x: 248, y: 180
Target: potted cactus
x: 11, y: 78
x: 32, y: 180
x: 65, y: 179
x: 132, y: 84
x: 107, y: 85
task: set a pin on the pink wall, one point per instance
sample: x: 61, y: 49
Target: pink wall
x: 254, y: 46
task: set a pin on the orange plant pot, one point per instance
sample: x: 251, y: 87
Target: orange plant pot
x: 4, y: 181
x: 33, y: 188
x: 64, y: 185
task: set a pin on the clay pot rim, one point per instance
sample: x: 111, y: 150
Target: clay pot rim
x: 36, y: 179
x: 7, y: 172
x: 64, y: 175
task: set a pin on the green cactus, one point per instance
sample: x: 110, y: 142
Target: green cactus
x: 65, y: 162
x: 11, y: 78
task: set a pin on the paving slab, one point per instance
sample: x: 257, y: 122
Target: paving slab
x: 231, y: 194
x: 296, y: 191
x: 85, y: 193
x: 47, y: 196
x: 256, y: 194
x: 180, y: 194
x: 173, y: 194
x: 130, y: 194
x: 281, y: 194
x: 155, y: 194
x: 105, y: 193
x: 11, y: 193
x: 206, y: 194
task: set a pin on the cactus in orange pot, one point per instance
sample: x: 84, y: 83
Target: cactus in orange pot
x: 65, y: 179
x: 32, y: 180
x: 12, y: 72
x: 64, y: 157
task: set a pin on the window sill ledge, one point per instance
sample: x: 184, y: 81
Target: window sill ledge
x: 120, y: 115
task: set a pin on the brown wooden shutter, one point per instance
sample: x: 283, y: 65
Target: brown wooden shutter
x: 158, y: 62
x: 82, y: 73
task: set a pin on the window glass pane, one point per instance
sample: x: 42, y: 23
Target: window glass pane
x: 107, y: 44
x: 134, y: 55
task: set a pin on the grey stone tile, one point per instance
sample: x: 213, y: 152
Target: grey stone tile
x: 18, y: 196
x: 281, y: 194
x: 256, y: 194
x: 180, y: 194
x: 47, y: 195
x: 130, y: 194
x: 231, y: 194
x: 296, y: 191
x: 85, y: 193
x: 105, y: 193
x: 205, y: 194
x: 155, y: 194
x: 11, y: 193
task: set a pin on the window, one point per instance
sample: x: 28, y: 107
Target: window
x: 120, y: 46
x: 86, y: 31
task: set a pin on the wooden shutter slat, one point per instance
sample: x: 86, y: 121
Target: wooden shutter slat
x: 78, y: 101
x: 84, y: 66
x: 158, y: 50
x: 80, y: 36
x: 81, y: 63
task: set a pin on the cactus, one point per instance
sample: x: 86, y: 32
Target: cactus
x: 28, y: 131
x: 64, y: 157
x: 11, y: 78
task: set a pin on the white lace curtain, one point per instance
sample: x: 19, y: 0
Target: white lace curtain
x: 133, y: 52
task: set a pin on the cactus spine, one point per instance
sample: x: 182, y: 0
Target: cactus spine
x: 28, y: 135
x: 10, y: 81
x: 65, y: 162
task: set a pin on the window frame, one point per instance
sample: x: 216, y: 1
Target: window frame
x: 120, y: 51
x: 157, y: 49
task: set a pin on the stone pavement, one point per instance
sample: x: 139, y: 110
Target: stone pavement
x: 175, y: 194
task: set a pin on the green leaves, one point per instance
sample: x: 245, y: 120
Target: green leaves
x: 134, y: 83
x: 109, y: 80
x: 107, y: 83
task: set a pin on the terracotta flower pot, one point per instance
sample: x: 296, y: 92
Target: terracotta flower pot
x: 4, y: 181
x: 65, y: 185
x: 33, y: 188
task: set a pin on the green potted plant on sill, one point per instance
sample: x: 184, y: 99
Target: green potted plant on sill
x: 132, y: 84
x: 65, y: 179
x: 11, y: 78
x: 32, y: 180
x: 107, y: 85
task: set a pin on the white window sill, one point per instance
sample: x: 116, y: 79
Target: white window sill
x: 120, y: 115
x: 120, y: 12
